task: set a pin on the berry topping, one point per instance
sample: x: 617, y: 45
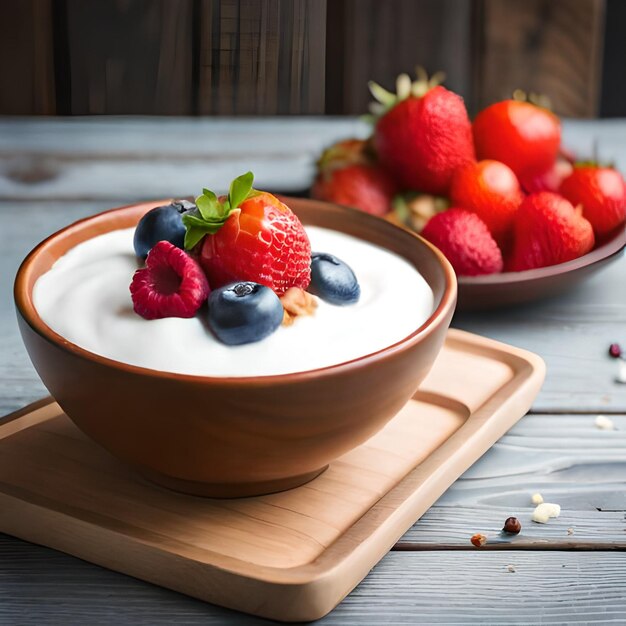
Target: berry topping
x: 249, y: 236
x: 171, y: 285
x: 163, y: 223
x: 333, y: 280
x: 244, y: 312
x: 466, y: 241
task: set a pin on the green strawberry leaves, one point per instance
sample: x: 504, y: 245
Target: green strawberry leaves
x: 385, y: 100
x: 211, y: 213
x: 240, y: 189
x: 208, y: 205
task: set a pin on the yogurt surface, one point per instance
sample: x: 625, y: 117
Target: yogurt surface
x: 85, y: 298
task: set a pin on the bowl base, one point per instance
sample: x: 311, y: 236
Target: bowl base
x: 229, y: 490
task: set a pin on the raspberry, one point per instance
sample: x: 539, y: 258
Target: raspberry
x: 171, y: 285
x: 466, y: 241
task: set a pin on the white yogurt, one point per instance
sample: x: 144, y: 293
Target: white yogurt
x: 85, y: 298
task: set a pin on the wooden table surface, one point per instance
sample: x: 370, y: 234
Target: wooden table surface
x: 572, y: 570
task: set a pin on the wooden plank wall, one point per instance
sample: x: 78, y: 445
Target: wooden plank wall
x: 555, y: 49
x: 613, y: 96
x: 372, y: 40
x: 129, y: 57
x: 27, y: 85
x: 265, y: 57
x: 162, y: 57
x: 261, y: 57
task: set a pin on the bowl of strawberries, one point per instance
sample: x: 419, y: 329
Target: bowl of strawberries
x: 515, y: 213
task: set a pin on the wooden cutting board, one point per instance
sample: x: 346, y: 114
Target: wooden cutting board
x: 291, y: 556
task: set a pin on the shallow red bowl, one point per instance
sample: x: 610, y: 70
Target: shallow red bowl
x: 499, y: 290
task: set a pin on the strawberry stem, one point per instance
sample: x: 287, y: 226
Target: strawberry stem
x: 538, y: 99
x: 211, y: 213
x: 405, y: 88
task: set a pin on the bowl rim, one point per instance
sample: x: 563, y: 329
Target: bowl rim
x: 612, y: 245
x: 26, y: 309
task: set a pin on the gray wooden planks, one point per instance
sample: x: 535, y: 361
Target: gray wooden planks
x: 123, y: 158
x: 566, y: 459
x: 572, y: 333
x: 138, y: 158
x: 171, y: 137
x: 41, y: 586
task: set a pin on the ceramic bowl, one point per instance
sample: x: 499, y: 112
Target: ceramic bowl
x: 511, y: 288
x: 230, y: 437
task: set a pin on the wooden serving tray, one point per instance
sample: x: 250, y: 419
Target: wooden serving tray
x: 290, y: 556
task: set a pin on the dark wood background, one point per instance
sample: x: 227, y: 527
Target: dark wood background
x: 266, y: 57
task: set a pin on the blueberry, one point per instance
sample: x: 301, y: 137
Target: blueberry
x: 244, y: 312
x: 163, y: 223
x: 333, y: 280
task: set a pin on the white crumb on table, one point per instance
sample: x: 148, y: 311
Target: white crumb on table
x: 537, y: 498
x: 545, y: 511
x: 604, y: 423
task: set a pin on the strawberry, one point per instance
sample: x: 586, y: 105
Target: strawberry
x: 171, y: 285
x: 491, y: 190
x: 550, y: 180
x: 346, y: 152
x: 522, y: 135
x: 364, y: 187
x: 422, y: 135
x: 249, y: 236
x: 602, y: 194
x: 466, y: 241
x: 548, y: 230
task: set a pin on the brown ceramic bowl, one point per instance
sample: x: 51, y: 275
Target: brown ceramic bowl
x: 510, y: 288
x: 229, y: 437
